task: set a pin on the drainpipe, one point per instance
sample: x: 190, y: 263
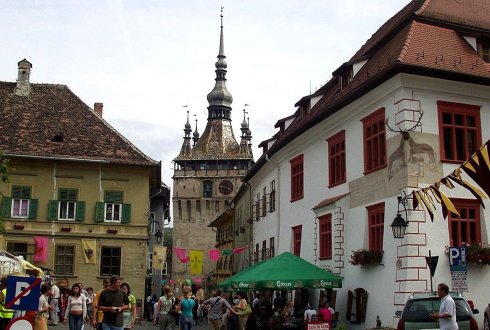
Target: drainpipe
x: 252, y: 223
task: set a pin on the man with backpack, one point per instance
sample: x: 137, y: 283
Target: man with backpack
x: 216, y: 306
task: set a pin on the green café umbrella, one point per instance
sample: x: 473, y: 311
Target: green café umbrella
x: 285, y: 272
x: 226, y: 283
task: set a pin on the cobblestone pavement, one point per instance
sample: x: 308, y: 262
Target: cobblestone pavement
x: 145, y: 325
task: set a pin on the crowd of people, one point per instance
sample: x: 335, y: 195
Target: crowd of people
x: 113, y: 307
x: 231, y: 311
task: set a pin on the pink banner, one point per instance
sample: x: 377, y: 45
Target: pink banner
x: 213, y: 255
x: 41, y: 249
x: 197, y: 280
x: 182, y: 255
x: 239, y: 250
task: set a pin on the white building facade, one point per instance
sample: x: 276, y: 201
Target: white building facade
x: 332, y: 174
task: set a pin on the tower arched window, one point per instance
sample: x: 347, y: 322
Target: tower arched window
x: 207, y: 190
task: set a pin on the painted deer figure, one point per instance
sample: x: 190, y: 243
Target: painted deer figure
x: 399, y: 153
x: 421, y: 149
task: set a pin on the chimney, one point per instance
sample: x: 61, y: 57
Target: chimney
x: 23, y: 87
x: 98, y: 108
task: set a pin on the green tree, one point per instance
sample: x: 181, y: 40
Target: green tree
x: 168, y: 237
x: 4, y: 168
x: 4, y: 176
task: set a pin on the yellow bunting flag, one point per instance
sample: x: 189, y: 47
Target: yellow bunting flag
x: 196, y: 261
x: 89, y: 247
x: 159, y: 256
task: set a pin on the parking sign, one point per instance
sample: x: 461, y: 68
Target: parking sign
x: 457, y: 259
x: 23, y: 293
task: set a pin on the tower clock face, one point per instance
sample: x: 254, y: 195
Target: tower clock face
x: 225, y: 187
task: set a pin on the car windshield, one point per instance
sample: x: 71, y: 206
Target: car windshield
x: 419, y: 310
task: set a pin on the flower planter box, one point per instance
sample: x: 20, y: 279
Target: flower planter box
x: 363, y: 257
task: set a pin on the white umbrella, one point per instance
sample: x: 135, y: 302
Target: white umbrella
x: 10, y: 266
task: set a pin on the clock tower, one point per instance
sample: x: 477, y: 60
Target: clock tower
x: 207, y: 174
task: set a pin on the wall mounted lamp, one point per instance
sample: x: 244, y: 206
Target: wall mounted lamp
x: 158, y: 236
x: 399, y: 225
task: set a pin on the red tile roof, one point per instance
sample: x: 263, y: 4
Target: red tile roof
x: 329, y: 201
x: 424, y: 38
x: 30, y: 124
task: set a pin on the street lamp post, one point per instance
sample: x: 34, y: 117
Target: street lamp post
x: 399, y: 225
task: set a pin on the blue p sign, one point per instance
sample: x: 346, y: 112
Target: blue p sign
x: 23, y: 293
x: 457, y: 258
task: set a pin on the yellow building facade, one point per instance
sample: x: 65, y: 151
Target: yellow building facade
x: 77, y: 201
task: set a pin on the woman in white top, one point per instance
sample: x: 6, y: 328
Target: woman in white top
x: 41, y: 321
x: 76, y: 308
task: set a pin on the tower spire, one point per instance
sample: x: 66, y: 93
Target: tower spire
x: 220, y: 98
x: 195, y: 135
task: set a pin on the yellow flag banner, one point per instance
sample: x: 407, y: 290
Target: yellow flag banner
x: 196, y: 261
x: 89, y: 247
x: 476, y: 167
x: 159, y: 256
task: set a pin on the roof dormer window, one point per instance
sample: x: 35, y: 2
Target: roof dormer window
x: 345, y: 77
x: 484, y: 49
x: 304, y: 109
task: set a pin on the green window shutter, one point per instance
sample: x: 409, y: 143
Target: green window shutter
x: 126, y: 213
x: 6, y: 207
x: 111, y: 196
x: 99, y: 212
x: 32, y: 209
x: 108, y: 196
x: 26, y: 192
x: 21, y: 192
x: 67, y: 194
x: 80, y: 211
x: 53, y: 210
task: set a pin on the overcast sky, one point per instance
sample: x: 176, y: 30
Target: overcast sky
x: 146, y: 59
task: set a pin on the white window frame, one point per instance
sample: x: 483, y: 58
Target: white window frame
x: 152, y: 226
x: 149, y: 260
x: 164, y: 269
x: 106, y: 206
x: 21, y: 201
x: 66, y: 215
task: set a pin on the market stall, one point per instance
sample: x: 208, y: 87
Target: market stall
x: 16, y: 265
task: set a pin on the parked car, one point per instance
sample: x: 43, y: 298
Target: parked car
x: 486, y: 318
x: 419, y: 306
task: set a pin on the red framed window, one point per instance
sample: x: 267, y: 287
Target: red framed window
x: 336, y: 159
x: 376, y: 222
x: 464, y: 228
x: 374, y: 141
x: 459, y: 130
x: 325, y: 225
x: 297, y: 240
x: 296, y: 178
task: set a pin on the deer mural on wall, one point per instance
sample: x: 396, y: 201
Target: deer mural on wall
x: 398, y: 154
x: 421, y: 149
x: 414, y: 149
